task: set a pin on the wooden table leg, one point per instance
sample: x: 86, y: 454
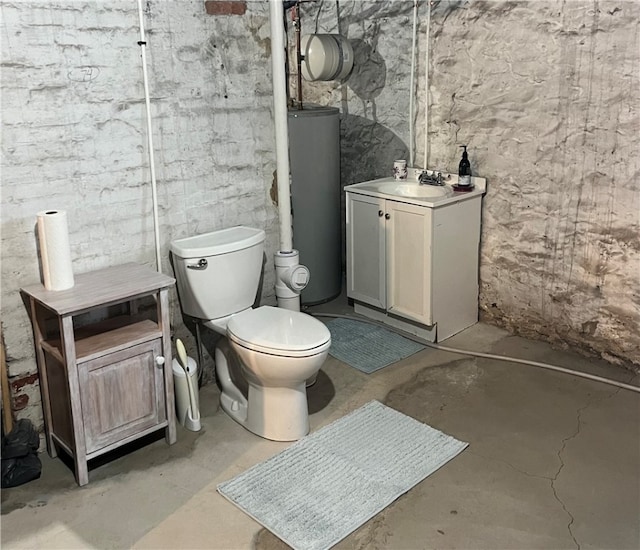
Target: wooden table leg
x: 39, y: 331
x: 80, y: 449
x: 171, y: 434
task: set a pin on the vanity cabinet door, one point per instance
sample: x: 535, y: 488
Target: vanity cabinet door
x: 122, y: 394
x: 366, y: 261
x: 409, y: 256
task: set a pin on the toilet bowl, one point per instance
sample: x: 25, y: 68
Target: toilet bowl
x: 278, y: 351
x: 266, y: 354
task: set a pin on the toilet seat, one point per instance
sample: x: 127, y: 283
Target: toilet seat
x: 278, y: 331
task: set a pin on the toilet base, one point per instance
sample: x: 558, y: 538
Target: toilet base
x: 235, y: 409
x: 289, y: 423
x: 232, y: 400
x: 288, y: 414
x: 288, y: 418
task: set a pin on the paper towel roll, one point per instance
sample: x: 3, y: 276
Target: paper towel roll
x: 55, y: 252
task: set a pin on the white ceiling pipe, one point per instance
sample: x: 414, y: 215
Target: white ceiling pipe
x: 152, y: 164
x: 412, y: 85
x: 281, y: 123
x: 426, y: 89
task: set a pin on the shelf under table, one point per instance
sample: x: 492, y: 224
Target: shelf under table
x: 106, y: 337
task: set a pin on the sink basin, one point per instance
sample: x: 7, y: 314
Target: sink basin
x: 413, y: 190
x: 408, y: 189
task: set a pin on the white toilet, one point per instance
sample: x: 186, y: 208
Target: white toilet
x: 268, y: 353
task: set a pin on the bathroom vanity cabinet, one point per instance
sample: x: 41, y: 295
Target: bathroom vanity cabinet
x: 412, y: 262
x: 104, y: 359
x: 388, y: 261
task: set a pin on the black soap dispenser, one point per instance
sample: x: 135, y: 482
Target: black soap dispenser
x: 464, y: 169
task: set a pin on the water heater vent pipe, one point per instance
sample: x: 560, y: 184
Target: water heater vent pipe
x: 278, y: 46
x: 291, y: 278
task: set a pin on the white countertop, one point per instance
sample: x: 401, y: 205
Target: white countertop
x: 450, y: 196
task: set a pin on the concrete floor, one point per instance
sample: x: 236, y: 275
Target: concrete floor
x: 553, y: 462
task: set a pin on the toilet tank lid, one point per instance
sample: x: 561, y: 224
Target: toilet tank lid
x: 218, y: 242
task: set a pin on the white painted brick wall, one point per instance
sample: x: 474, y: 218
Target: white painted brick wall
x: 74, y: 138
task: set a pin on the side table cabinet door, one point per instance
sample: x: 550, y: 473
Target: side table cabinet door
x: 122, y: 394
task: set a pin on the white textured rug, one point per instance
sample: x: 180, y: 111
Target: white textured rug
x: 323, y: 487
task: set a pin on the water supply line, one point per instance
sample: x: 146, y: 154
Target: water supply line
x: 154, y: 193
x: 547, y: 366
x: 412, y: 84
x: 426, y: 88
x: 297, y: 25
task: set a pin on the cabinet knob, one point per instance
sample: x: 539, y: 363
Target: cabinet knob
x: 387, y: 216
x: 159, y: 360
x: 380, y: 213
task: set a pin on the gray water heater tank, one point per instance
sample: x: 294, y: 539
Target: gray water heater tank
x: 314, y: 153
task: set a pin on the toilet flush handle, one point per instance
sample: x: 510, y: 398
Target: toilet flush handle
x: 202, y: 264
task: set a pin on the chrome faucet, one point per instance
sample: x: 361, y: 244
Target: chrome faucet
x: 431, y: 179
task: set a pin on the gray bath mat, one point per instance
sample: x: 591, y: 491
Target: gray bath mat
x: 368, y: 347
x: 323, y: 487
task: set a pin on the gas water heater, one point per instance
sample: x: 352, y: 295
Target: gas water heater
x: 314, y: 153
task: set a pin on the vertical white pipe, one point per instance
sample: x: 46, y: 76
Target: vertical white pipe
x: 412, y: 85
x: 154, y: 194
x: 281, y: 123
x: 426, y: 89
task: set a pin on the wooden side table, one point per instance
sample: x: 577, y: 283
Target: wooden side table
x: 107, y: 382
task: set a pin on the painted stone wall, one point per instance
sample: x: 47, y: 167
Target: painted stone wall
x: 547, y: 96
x: 74, y: 138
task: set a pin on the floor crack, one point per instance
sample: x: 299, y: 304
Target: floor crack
x: 562, y: 464
x: 554, y: 478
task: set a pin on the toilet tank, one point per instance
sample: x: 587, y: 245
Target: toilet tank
x: 218, y: 273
